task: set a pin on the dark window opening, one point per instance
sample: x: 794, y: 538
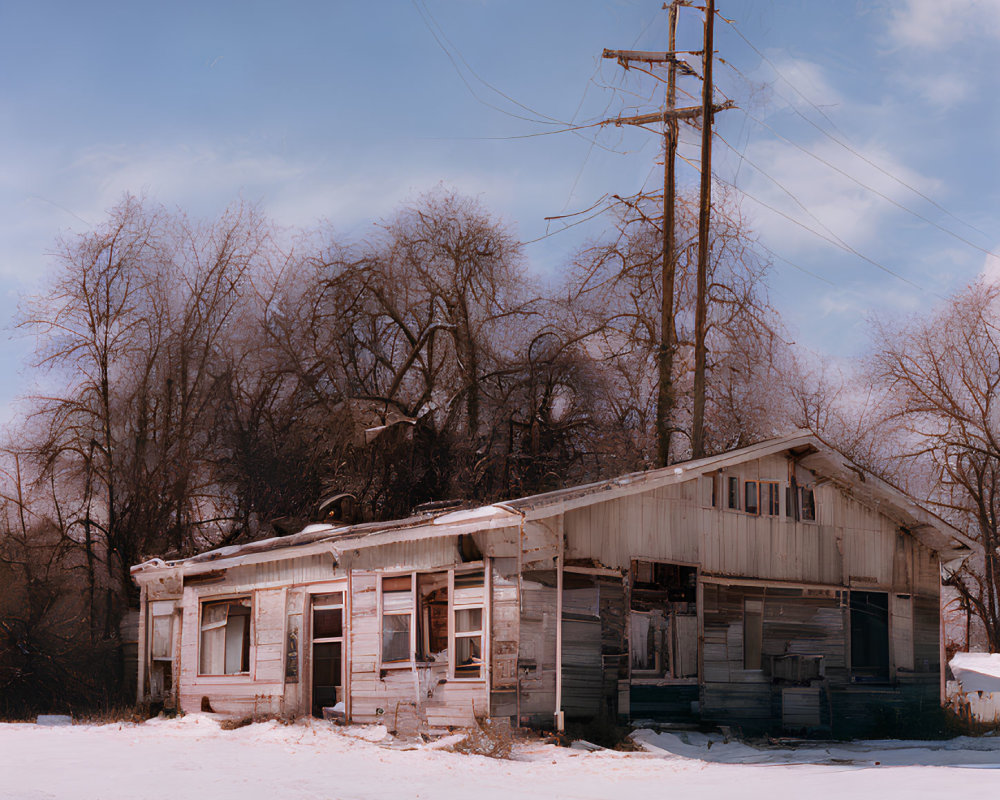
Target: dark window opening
x: 869, y: 636
x: 663, y: 620
x: 750, y: 497
x: 807, y: 504
x: 791, y: 503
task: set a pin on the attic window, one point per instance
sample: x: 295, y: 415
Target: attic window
x: 807, y: 504
x: 733, y: 493
x: 769, y: 499
x: 225, y: 637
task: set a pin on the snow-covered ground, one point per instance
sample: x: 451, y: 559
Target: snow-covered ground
x: 192, y: 757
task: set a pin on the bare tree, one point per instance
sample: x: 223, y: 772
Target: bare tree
x: 942, y: 374
x: 615, y: 293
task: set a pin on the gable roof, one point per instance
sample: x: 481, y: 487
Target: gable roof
x: 805, y: 447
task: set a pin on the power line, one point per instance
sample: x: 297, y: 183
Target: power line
x: 835, y: 139
x: 869, y: 188
x: 846, y: 248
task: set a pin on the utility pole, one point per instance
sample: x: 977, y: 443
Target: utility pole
x: 701, y: 306
x: 665, y: 359
x: 670, y: 116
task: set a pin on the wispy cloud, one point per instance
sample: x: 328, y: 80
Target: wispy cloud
x: 936, y: 25
x: 807, y: 186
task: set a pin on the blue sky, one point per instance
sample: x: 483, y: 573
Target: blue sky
x: 343, y: 110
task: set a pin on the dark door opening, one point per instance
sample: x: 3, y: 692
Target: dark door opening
x: 327, y: 654
x: 869, y: 637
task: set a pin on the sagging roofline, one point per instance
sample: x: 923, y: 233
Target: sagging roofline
x: 809, y: 449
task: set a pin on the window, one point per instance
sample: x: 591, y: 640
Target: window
x: 225, y: 637
x: 432, y: 598
x: 791, y: 503
x: 769, y: 494
x: 467, y: 623
x: 163, y: 634
x: 733, y: 492
x: 435, y: 617
x: 397, y: 618
x: 869, y: 636
x: 807, y: 504
x: 753, y: 632
x: 710, y: 491
x: 750, y: 497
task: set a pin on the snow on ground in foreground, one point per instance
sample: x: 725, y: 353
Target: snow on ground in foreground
x: 192, y: 757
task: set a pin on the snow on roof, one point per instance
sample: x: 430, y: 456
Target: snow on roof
x: 977, y: 672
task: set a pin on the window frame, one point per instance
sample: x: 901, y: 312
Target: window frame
x: 755, y: 511
x: 311, y: 606
x: 733, y: 493
x: 803, y: 492
x: 773, y: 495
x: 413, y: 612
x: 382, y: 613
x: 250, y: 635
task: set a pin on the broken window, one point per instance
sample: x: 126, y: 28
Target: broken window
x: 225, y: 637
x: 753, y: 632
x: 750, y: 499
x: 397, y: 618
x: 869, y: 636
x: 446, y: 608
x: 663, y: 623
x: 432, y: 598
x: 807, y: 504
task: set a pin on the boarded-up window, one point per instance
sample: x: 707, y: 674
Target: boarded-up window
x: 902, y: 632
x: 753, y: 632
x: 225, y: 637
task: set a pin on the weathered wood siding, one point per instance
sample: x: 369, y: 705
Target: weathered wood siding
x: 849, y: 544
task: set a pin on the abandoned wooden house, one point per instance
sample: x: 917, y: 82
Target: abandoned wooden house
x: 777, y: 587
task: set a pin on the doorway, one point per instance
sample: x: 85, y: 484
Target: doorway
x: 327, y: 656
